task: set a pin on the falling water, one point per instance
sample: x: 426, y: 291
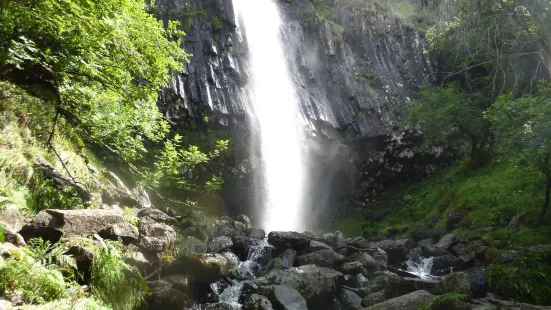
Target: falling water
x: 275, y: 105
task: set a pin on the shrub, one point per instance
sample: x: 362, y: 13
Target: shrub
x: 113, y: 281
x: 37, y: 283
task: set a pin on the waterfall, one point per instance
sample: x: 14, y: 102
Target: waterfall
x: 276, y: 108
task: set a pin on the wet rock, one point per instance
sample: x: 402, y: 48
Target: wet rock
x: 217, y: 306
x: 352, y: 268
x: 368, y: 262
x: 256, y: 233
x: 218, y: 244
x: 233, y: 260
x: 477, y: 281
x: 446, y: 241
x: 289, y: 239
x: 245, y: 220
x: 380, y: 256
x: 243, y: 245
x: 288, y: 258
x: 239, y: 226
x: 52, y: 224
x: 396, y: 250
x: 201, y: 267
x: 285, y: 297
x: 193, y: 245
x: 323, y: 258
x: 228, y: 230
x: 10, y: 215
x: 157, y: 216
x: 274, y: 264
x: 411, y: 301
x: 316, y: 246
x: 425, y: 242
x: 315, y: 284
x: 350, y: 300
x: 423, y: 232
x: 178, y: 282
x: 455, y: 283
x: 155, y: 237
x: 11, y: 235
x: 459, y: 249
x: 433, y: 250
x: 127, y: 232
x: 257, y: 302
x: 226, y: 218
x: 373, y: 298
x: 445, y: 263
x: 161, y: 295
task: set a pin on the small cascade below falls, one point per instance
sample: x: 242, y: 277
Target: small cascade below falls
x: 421, y: 267
x: 275, y: 106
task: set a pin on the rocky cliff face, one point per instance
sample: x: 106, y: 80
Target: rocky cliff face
x: 355, y: 67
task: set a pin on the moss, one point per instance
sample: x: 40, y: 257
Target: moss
x: 216, y: 23
x: 2, y: 235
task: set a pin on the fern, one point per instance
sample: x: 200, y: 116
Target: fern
x: 48, y: 254
x: 438, y: 301
x: 111, y: 275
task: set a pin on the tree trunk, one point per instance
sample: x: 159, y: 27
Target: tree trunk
x: 547, y: 193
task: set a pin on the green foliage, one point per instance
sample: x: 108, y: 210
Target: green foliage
x: 450, y: 114
x: 130, y: 217
x: 37, y: 283
x: 216, y: 23
x: 524, y: 280
x: 2, y: 235
x: 185, y: 168
x: 44, y: 195
x: 444, y: 300
x: 99, y: 64
x: 48, y: 254
x: 111, y: 275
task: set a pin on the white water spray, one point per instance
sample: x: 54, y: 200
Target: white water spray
x: 275, y: 105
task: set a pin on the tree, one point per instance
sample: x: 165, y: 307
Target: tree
x: 448, y: 114
x: 524, y: 125
x: 100, y: 63
x: 502, y: 45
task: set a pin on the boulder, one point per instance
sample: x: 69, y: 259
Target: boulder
x: 11, y: 235
x: 477, y: 281
x: 285, y: 297
x: 373, y: 298
x: 323, y: 258
x: 7, y: 249
x: 193, y: 245
x: 127, y: 232
x: 446, y: 241
x: 239, y: 226
x: 203, y: 268
x: 315, y: 284
x: 256, y: 233
x: 445, y: 264
x: 245, y: 220
x: 289, y: 239
x: 457, y: 282
x: 257, y: 302
x: 433, y: 250
x: 155, y: 237
x: 424, y: 232
x: 226, y: 229
x: 10, y: 215
x: 425, y: 242
x: 411, y: 301
x: 368, y: 262
x: 178, y: 282
x: 218, y: 244
x: 217, y: 306
x: 274, y: 264
x: 161, y: 295
x: 52, y: 224
x: 157, y: 216
x: 396, y: 250
x: 233, y: 260
x: 288, y: 258
x: 316, y: 246
x: 352, y: 268
x: 242, y: 245
x: 350, y: 300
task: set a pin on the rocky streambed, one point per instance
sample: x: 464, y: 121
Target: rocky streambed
x: 240, y: 267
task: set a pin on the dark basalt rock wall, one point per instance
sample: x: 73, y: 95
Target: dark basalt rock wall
x: 355, y: 68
